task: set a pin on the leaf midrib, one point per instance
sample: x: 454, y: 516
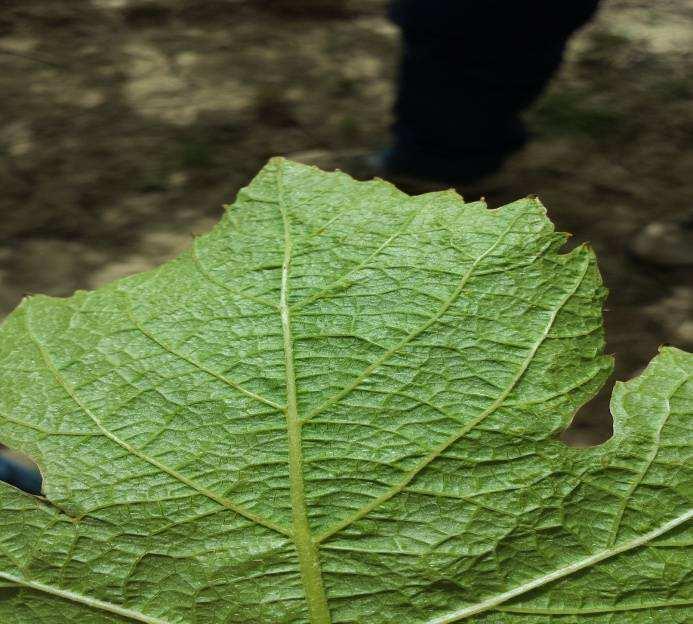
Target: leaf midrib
x: 308, y: 558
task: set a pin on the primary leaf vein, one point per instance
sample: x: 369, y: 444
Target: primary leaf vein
x: 309, y: 563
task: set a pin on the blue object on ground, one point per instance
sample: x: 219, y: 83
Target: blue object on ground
x: 20, y: 475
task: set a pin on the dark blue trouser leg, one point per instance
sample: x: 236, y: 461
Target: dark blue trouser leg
x: 468, y: 70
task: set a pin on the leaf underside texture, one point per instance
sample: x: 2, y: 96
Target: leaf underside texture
x: 341, y: 405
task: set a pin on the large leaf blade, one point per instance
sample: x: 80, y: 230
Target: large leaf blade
x: 340, y: 405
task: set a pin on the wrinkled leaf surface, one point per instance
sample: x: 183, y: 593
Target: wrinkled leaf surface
x: 341, y: 405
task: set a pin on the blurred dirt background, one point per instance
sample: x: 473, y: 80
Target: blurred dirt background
x: 126, y: 124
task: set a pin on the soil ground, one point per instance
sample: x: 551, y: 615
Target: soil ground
x: 126, y: 124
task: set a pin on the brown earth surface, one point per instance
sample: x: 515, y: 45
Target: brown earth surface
x: 126, y: 124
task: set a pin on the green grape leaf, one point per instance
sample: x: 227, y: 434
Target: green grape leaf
x: 342, y: 405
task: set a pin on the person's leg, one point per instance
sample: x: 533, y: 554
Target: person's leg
x: 468, y: 70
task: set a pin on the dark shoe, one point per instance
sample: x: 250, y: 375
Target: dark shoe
x: 440, y: 170
x: 366, y: 166
x: 416, y: 169
x: 414, y: 176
